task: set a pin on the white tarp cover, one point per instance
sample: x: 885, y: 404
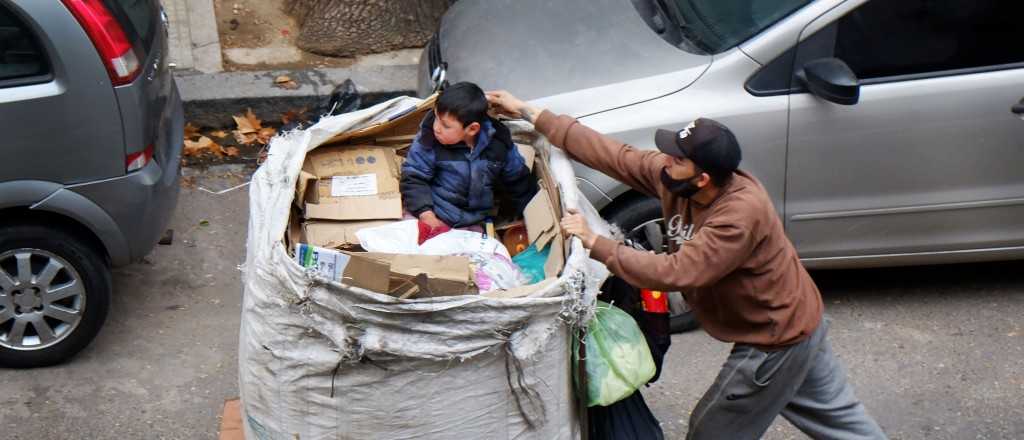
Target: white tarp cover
x: 321, y: 360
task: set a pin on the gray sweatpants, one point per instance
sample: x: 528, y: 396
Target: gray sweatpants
x: 805, y: 383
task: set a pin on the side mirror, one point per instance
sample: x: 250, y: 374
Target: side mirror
x: 832, y: 80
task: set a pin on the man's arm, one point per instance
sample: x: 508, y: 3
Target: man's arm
x: 637, y: 168
x: 718, y: 248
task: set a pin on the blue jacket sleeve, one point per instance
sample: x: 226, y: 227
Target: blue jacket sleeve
x: 516, y: 178
x: 417, y: 173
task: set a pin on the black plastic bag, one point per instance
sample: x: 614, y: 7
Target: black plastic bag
x: 627, y: 419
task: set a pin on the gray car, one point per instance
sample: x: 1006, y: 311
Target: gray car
x: 887, y: 132
x: 92, y: 128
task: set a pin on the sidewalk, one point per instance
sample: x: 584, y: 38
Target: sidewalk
x: 212, y: 95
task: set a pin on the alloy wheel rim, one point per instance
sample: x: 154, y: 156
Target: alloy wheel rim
x: 42, y: 299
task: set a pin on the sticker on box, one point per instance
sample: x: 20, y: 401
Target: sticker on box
x: 353, y: 186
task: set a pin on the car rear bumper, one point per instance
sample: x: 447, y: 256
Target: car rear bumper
x: 141, y: 203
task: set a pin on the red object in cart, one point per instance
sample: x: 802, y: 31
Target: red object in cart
x: 654, y: 301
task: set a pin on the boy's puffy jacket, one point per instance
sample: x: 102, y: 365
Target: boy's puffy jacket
x: 458, y: 184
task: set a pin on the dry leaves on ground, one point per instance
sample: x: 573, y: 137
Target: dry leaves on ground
x: 294, y: 115
x: 250, y: 130
x: 285, y: 82
x: 197, y: 147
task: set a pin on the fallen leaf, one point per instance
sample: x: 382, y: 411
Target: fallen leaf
x: 285, y: 82
x: 191, y: 131
x: 204, y: 223
x: 247, y: 123
x: 219, y: 134
x: 245, y: 138
x: 195, y: 148
x: 293, y: 115
x: 231, y: 151
x: 265, y: 134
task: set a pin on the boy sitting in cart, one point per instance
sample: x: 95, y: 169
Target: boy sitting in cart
x: 455, y: 162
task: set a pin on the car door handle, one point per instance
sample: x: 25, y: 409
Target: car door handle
x: 1018, y: 108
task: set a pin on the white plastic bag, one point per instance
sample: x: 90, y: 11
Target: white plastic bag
x: 400, y: 237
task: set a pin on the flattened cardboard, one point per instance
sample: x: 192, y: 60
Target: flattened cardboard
x: 337, y: 235
x: 446, y: 275
x: 327, y: 162
x: 397, y: 125
x: 529, y: 154
x: 540, y: 220
x: 367, y: 273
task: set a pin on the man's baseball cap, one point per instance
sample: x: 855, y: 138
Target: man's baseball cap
x: 708, y: 143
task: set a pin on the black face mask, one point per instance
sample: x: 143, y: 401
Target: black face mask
x: 682, y: 188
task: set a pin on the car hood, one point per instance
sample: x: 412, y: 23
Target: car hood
x: 573, y: 56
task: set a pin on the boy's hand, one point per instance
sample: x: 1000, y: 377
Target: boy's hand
x: 504, y: 103
x: 431, y: 219
x: 575, y: 224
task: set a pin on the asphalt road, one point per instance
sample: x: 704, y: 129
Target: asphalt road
x: 934, y: 352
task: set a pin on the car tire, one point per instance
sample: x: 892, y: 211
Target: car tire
x: 634, y: 214
x: 54, y: 295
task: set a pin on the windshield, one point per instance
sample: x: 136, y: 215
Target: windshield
x: 718, y: 25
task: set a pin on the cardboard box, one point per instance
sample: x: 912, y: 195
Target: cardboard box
x: 336, y: 235
x: 351, y: 183
x: 345, y: 268
x: 437, y: 275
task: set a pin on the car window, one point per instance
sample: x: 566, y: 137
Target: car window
x: 138, y: 17
x: 20, y: 53
x: 907, y: 37
x: 719, y: 25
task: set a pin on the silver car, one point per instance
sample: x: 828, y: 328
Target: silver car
x: 887, y: 132
x: 92, y: 128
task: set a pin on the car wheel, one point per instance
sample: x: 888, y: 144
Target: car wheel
x: 643, y: 227
x: 54, y: 295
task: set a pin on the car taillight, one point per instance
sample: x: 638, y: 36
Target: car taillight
x: 109, y: 38
x: 136, y: 161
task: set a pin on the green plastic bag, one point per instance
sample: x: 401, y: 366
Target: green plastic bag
x: 618, y: 360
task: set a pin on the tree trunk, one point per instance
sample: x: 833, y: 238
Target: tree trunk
x: 356, y: 27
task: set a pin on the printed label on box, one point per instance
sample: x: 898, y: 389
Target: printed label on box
x: 349, y: 186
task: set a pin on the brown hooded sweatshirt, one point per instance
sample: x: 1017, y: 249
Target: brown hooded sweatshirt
x: 731, y: 258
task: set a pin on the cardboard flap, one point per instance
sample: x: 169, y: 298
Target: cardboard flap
x: 367, y: 273
x: 303, y: 186
x: 337, y: 234
x: 529, y: 154
x: 403, y: 123
x: 357, y: 208
x: 452, y: 268
x: 540, y: 221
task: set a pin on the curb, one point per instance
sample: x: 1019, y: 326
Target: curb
x: 211, y: 99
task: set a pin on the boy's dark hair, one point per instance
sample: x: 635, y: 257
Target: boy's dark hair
x: 465, y: 101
